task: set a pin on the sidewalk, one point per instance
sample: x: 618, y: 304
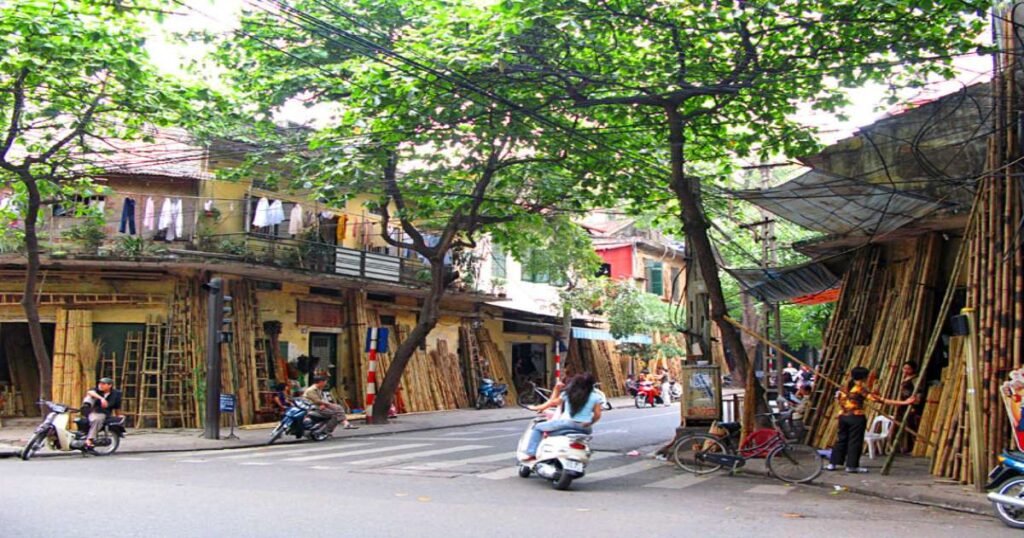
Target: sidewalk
x: 16, y: 433
x: 909, y: 481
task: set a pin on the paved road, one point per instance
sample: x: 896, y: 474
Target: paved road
x: 445, y: 483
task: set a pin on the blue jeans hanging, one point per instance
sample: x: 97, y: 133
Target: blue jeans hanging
x: 128, y: 217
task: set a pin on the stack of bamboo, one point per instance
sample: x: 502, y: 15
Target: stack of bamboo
x: 602, y: 360
x: 239, y: 362
x: 883, y: 319
x: 432, y: 380
x: 498, y: 367
x: 74, y: 356
x: 945, y: 420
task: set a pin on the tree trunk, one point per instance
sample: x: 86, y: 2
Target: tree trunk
x: 695, y: 229
x: 28, y: 302
x: 429, y: 314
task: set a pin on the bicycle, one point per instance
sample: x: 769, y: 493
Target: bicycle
x: 703, y: 453
x: 535, y: 395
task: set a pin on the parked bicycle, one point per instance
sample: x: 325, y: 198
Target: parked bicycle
x: 703, y: 453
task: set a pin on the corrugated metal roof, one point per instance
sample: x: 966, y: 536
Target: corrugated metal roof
x: 600, y: 334
x: 781, y: 284
x: 838, y: 205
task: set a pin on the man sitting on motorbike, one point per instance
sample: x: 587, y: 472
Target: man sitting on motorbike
x: 334, y: 413
x: 101, y: 401
x: 580, y: 407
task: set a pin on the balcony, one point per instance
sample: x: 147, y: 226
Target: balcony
x: 326, y: 258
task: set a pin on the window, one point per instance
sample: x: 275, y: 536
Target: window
x: 498, y: 269
x: 653, y: 272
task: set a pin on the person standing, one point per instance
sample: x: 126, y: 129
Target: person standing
x: 334, y: 413
x: 907, y: 392
x: 853, y: 423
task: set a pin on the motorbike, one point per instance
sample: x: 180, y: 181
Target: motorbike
x: 490, y: 394
x: 647, y: 395
x: 1006, y: 488
x: 298, y: 422
x: 54, y: 431
x: 561, y: 456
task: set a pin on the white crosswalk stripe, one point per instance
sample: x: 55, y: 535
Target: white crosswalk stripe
x: 306, y: 450
x: 347, y: 453
x: 681, y: 481
x: 489, y: 458
x: 623, y: 470
x: 385, y: 460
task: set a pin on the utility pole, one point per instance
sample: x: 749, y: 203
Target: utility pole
x: 215, y: 336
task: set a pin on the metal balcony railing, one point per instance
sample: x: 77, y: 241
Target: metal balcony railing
x: 332, y: 259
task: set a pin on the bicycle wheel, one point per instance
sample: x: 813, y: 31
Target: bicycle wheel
x: 689, y: 453
x: 795, y: 464
x: 527, y: 397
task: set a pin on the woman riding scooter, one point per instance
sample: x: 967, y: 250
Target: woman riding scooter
x: 580, y: 408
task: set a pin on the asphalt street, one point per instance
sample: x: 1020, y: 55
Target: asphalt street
x: 442, y: 483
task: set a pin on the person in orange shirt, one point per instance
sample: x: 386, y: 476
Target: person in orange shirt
x: 853, y: 423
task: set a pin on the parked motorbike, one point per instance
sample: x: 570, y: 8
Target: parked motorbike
x: 54, y: 432
x: 298, y: 422
x: 647, y: 395
x: 1006, y: 485
x: 491, y: 394
x: 561, y: 456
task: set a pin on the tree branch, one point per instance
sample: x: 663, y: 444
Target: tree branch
x: 16, y: 111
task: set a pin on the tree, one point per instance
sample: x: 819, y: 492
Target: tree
x: 710, y: 81
x: 441, y: 163
x: 74, y: 74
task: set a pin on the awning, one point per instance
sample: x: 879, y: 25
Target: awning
x: 600, y: 334
x: 838, y: 205
x: 782, y: 284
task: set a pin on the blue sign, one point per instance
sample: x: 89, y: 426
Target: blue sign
x: 227, y: 403
x: 382, y: 339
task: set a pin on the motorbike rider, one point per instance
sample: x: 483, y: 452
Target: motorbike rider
x: 334, y: 413
x: 580, y: 408
x: 101, y: 401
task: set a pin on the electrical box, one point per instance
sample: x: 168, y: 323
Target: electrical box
x: 702, y: 395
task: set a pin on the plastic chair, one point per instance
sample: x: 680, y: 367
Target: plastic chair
x: 877, y: 434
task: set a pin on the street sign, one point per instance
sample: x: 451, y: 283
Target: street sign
x: 227, y: 403
x: 381, y: 338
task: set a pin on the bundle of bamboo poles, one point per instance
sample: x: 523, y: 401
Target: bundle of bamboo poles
x: 602, y: 360
x: 881, y: 325
x: 238, y: 374
x: 74, y: 356
x: 432, y: 380
x: 498, y: 367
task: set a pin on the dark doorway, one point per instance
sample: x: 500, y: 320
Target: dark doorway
x: 19, y: 375
x: 529, y: 363
x: 324, y: 346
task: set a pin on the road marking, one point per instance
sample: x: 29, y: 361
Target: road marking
x: 255, y: 463
x: 415, y: 455
x: 324, y: 467
x: 501, y: 474
x: 513, y: 470
x: 347, y: 453
x: 192, y: 461
x: 770, y: 490
x: 293, y: 451
x: 221, y: 452
x: 678, y: 482
x: 623, y: 470
x: 507, y: 456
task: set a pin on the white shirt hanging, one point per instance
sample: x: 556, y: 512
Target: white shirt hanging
x: 261, y: 217
x: 295, y: 223
x: 149, y: 215
x: 275, y: 213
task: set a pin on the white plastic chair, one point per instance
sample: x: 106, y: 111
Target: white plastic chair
x: 877, y: 434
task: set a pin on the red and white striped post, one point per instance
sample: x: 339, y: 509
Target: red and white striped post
x: 371, y: 376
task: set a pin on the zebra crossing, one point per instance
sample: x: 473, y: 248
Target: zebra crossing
x: 482, y: 461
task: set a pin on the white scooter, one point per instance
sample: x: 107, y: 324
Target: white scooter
x: 560, y: 458
x: 55, y: 429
